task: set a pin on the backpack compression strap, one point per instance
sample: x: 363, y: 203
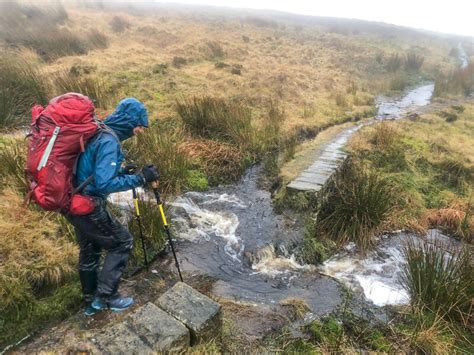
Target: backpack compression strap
x: 49, y: 148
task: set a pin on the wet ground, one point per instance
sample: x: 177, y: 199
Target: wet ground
x: 377, y: 275
x: 232, y: 245
x: 233, y: 235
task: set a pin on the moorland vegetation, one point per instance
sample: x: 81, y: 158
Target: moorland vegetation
x: 225, y: 91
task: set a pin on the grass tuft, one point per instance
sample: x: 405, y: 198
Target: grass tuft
x: 13, y: 158
x: 438, y: 276
x: 97, y: 39
x: 220, y: 161
x: 210, y: 117
x: 394, y: 62
x: 93, y: 87
x: 414, y: 61
x: 460, y: 81
x: 21, y: 86
x: 153, y: 232
x: 118, y: 24
x: 355, y: 207
x: 37, y: 269
x: 160, y: 146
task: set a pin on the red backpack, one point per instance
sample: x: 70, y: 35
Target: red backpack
x: 58, y: 135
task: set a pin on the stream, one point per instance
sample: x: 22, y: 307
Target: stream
x: 232, y: 234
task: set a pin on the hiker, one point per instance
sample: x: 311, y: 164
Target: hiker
x: 99, y: 230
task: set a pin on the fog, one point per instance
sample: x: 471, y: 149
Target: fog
x: 453, y: 16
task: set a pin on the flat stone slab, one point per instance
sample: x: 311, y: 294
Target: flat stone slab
x: 162, y: 332
x: 303, y: 186
x: 119, y: 339
x: 324, y: 165
x: 197, y: 311
x: 315, y: 179
x: 314, y: 175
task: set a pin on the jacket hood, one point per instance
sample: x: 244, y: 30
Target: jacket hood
x: 129, y: 113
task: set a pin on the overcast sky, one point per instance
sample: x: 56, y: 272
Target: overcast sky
x: 449, y: 16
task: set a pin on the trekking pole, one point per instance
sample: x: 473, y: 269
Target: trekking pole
x: 156, y: 191
x: 138, y: 218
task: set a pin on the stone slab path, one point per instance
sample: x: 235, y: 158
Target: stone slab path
x: 178, y: 319
x: 329, y: 160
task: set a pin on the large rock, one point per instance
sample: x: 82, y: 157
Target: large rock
x: 119, y: 339
x: 197, y: 311
x: 161, y: 331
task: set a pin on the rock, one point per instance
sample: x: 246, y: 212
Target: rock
x: 162, y: 332
x: 119, y: 339
x: 197, y: 311
x: 413, y: 116
x: 303, y: 186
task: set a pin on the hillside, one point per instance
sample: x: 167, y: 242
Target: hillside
x: 225, y: 89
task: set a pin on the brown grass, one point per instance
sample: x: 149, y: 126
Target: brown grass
x: 297, y: 308
x: 220, y: 161
x: 458, y: 220
x: 384, y: 135
x: 430, y: 336
x: 32, y: 255
x: 296, y: 66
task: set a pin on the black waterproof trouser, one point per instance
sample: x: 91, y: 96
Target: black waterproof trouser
x: 95, y: 232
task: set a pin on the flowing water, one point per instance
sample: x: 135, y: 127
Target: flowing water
x: 464, y: 59
x: 377, y: 275
x: 395, y: 108
x: 232, y: 234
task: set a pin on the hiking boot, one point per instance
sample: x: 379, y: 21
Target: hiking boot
x: 116, y: 303
x: 90, y: 311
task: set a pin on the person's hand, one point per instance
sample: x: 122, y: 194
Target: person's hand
x: 130, y: 169
x: 150, y: 174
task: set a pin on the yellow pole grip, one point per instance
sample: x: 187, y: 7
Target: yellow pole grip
x: 163, y: 217
x: 137, y: 210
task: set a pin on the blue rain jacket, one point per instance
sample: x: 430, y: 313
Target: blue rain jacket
x: 103, y: 155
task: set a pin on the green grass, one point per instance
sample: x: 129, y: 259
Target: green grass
x: 438, y: 277
x: 427, y: 172
x: 160, y: 146
x: 38, y: 313
x: 13, y: 158
x: 197, y: 181
x: 153, y: 233
x: 456, y: 82
x: 354, y: 207
x: 429, y: 333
